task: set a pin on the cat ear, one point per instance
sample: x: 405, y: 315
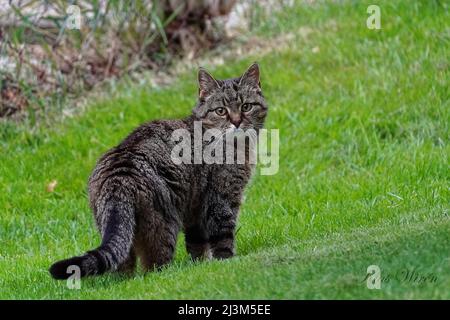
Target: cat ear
x: 251, y: 76
x: 206, y: 83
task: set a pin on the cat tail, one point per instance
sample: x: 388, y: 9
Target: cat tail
x: 114, y: 250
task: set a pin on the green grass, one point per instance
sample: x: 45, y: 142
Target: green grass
x: 363, y: 179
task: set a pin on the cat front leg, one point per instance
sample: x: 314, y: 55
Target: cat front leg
x: 197, y: 242
x: 221, y: 228
x: 222, y: 245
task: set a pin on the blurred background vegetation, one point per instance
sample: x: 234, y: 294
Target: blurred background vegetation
x: 43, y: 61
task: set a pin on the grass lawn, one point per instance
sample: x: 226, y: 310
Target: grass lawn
x: 363, y: 180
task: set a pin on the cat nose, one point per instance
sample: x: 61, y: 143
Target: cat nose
x: 236, y: 121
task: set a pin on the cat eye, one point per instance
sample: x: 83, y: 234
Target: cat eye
x: 221, y: 111
x: 246, y: 107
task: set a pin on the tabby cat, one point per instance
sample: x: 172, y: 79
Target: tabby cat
x: 141, y: 199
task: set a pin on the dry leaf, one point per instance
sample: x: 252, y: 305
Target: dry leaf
x: 51, y: 186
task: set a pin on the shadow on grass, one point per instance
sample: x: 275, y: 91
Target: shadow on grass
x: 113, y: 279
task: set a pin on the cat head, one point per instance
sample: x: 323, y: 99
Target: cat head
x: 231, y: 104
